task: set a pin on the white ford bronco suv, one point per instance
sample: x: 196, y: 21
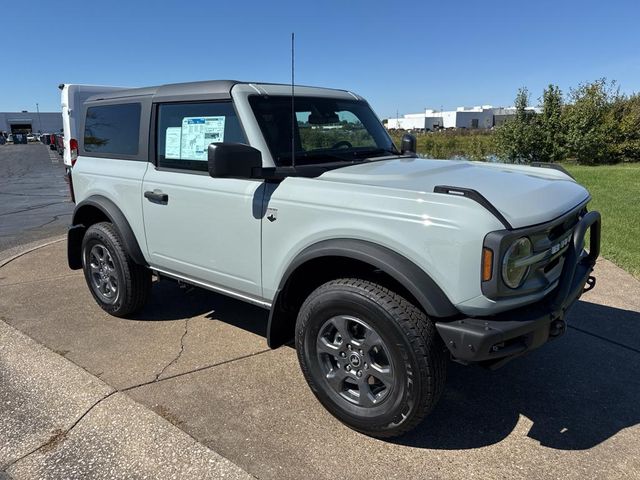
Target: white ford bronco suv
x: 380, y: 265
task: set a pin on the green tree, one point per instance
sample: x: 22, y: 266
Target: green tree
x: 518, y: 140
x: 625, y: 115
x: 552, y: 142
x: 590, y: 124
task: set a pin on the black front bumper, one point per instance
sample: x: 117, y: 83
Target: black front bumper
x: 497, y: 339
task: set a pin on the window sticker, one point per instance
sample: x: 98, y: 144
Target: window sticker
x: 172, y: 142
x: 196, y: 135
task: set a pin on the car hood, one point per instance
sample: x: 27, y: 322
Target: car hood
x: 523, y: 195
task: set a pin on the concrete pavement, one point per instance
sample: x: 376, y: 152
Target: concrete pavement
x: 42, y: 395
x: 200, y: 360
x: 124, y: 352
x: 59, y: 421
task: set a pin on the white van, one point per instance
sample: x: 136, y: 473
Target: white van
x: 72, y: 98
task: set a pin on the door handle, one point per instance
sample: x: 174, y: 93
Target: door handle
x: 157, y: 196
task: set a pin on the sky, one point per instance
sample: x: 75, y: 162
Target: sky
x: 402, y: 56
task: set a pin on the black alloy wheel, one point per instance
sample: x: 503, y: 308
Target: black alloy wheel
x: 371, y: 357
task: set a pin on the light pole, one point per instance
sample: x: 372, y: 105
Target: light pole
x: 39, y: 119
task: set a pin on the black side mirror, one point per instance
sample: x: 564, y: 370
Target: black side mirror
x: 233, y: 160
x: 408, y: 144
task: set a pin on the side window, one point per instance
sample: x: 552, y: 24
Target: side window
x: 112, y: 129
x: 185, y: 131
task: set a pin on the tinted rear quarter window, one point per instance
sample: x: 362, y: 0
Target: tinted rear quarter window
x: 112, y: 129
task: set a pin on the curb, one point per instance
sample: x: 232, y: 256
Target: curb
x: 30, y: 248
x: 82, y: 429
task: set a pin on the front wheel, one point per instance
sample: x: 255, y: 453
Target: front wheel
x: 373, y: 359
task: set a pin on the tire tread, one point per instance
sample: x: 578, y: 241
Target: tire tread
x: 420, y: 332
x: 136, y: 285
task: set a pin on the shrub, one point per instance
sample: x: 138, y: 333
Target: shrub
x: 589, y: 124
x: 596, y: 125
x: 519, y: 140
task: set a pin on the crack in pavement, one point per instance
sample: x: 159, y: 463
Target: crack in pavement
x: 40, y: 280
x: 54, y: 219
x: 29, y: 209
x: 195, y: 370
x: 34, y: 195
x: 605, y: 339
x: 57, y: 436
x: 177, y: 357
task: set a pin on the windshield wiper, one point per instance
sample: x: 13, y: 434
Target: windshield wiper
x: 375, y: 151
x: 313, y: 156
x: 346, y: 156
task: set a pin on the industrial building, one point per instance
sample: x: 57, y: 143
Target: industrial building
x: 483, y: 117
x: 27, y: 122
x: 502, y: 114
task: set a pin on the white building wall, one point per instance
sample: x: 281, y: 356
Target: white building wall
x: 462, y: 117
x: 449, y: 119
x: 407, y: 123
x: 393, y: 123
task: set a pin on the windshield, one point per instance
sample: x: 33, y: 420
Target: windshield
x: 326, y: 129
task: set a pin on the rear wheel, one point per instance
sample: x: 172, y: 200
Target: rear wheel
x: 119, y: 285
x: 372, y: 358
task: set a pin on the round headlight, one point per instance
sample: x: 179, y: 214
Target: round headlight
x: 512, y: 274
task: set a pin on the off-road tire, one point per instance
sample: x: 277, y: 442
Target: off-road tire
x: 133, y: 280
x: 414, y: 346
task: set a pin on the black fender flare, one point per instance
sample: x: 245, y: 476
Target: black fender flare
x: 114, y: 215
x: 417, y: 282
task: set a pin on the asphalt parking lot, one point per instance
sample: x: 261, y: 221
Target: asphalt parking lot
x: 200, y: 361
x: 34, y: 198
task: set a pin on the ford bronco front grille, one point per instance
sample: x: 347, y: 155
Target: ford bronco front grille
x: 550, y: 242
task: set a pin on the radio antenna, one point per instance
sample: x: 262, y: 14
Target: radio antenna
x: 293, y: 111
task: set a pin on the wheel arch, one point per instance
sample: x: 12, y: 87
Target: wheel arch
x: 338, y: 258
x: 96, y: 209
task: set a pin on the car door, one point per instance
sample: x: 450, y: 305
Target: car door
x: 197, y: 227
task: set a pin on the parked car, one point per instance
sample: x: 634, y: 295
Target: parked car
x: 52, y: 141
x: 60, y: 144
x: 19, y: 138
x: 380, y: 266
x: 31, y: 137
